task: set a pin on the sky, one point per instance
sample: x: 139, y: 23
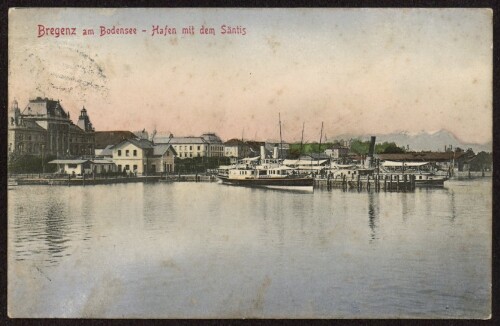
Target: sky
x: 359, y: 71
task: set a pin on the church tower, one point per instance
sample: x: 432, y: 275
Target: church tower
x: 84, y: 121
x: 14, y: 114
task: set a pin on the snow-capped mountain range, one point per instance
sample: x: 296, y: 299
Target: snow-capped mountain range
x: 423, y: 141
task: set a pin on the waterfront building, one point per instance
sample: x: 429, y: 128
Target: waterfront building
x: 337, y: 152
x: 207, y: 145
x: 163, y: 158
x: 215, y: 145
x: 236, y: 149
x: 73, y: 167
x: 43, y: 127
x: 79, y: 167
x: 142, y: 157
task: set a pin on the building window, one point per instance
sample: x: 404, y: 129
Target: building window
x: 198, y: 147
x: 127, y: 152
x: 168, y: 153
x: 120, y: 153
x: 190, y: 148
x: 135, y: 168
x: 119, y: 168
x: 135, y: 152
x: 190, y: 154
x: 127, y: 167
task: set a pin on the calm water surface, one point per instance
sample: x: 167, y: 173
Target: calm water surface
x: 211, y: 250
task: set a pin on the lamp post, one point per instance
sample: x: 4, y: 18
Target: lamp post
x: 43, y: 158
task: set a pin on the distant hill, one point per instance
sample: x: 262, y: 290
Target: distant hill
x: 423, y: 141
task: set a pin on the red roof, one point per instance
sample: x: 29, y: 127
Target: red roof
x: 422, y: 156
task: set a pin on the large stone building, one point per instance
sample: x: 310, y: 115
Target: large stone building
x: 207, y: 145
x: 43, y: 127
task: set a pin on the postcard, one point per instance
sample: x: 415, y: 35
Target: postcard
x: 249, y: 163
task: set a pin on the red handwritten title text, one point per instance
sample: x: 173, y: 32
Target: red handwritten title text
x: 155, y: 30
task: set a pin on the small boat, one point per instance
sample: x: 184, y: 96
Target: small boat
x: 276, y: 177
x: 424, y: 173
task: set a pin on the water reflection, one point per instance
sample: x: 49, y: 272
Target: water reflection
x: 453, y: 209
x: 200, y: 250
x: 373, y: 214
x: 48, y: 224
x: 55, y: 230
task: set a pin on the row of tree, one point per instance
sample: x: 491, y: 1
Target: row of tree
x: 357, y: 147
x: 30, y: 164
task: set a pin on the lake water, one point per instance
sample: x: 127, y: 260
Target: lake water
x: 209, y: 250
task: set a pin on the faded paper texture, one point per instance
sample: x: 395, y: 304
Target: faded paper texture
x: 418, y: 78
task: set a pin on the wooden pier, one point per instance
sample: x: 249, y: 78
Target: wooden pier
x: 190, y: 178
x: 386, y: 182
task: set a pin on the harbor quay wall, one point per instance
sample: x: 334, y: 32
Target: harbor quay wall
x: 471, y: 174
x: 371, y: 183
x: 50, y: 179
x: 79, y: 181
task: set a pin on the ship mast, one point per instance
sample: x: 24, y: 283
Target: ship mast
x: 320, y: 139
x: 281, y: 139
x: 302, y: 139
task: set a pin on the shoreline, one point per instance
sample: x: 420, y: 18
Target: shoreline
x: 38, y: 179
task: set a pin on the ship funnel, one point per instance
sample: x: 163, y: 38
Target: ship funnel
x: 372, y: 146
x: 262, y: 153
x: 275, y: 152
x: 371, y: 150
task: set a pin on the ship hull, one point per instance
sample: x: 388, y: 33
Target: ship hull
x: 430, y: 183
x: 272, y: 183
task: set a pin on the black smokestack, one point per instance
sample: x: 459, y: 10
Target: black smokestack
x: 372, y: 147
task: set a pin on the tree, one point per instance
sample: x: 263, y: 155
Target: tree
x: 392, y: 148
x: 482, y: 161
x: 360, y: 147
x: 25, y: 163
